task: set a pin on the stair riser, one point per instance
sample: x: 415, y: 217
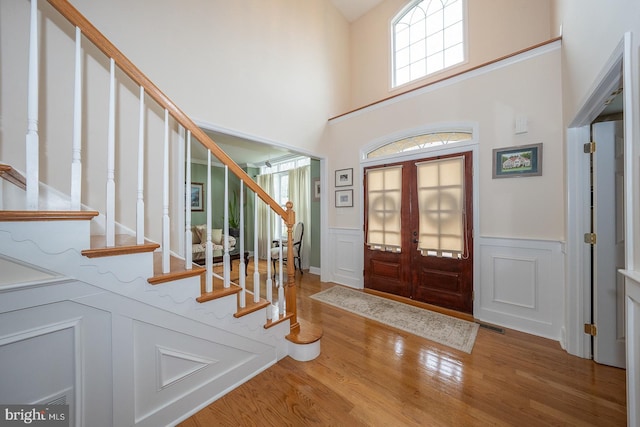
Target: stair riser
x: 50, y: 237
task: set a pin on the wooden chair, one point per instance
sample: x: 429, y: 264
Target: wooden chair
x: 298, y: 233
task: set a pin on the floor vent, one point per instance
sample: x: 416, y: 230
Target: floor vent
x: 62, y: 400
x: 491, y: 328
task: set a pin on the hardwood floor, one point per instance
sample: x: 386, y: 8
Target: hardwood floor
x: 369, y: 374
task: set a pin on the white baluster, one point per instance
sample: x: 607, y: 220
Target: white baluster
x: 226, y: 261
x: 140, y: 200
x: 110, y: 232
x: 188, y: 261
x: 76, y: 160
x: 32, y: 139
x: 242, y: 267
x: 256, y: 273
x: 208, y: 245
x: 269, y: 283
x: 165, y: 199
x: 280, y: 276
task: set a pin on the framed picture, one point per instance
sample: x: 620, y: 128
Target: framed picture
x: 197, y: 197
x: 344, y: 198
x: 344, y: 177
x: 520, y: 161
x: 316, y: 190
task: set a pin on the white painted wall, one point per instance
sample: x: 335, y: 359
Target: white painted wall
x: 273, y: 69
x: 591, y: 32
x: 495, y: 28
x: 529, y: 86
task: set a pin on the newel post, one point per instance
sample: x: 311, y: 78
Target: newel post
x: 290, y: 290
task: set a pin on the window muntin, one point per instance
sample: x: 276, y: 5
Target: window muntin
x: 384, y: 195
x: 428, y: 37
x: 419, y: 142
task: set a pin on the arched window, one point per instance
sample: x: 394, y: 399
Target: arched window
x: 419, y: 142
x: 428, y: 36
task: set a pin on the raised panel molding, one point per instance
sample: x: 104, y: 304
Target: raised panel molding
x: 521, y: 285
x: 174, y: 365
x: 515, y: 281
x: 57, y: 350
x: 346, y: 257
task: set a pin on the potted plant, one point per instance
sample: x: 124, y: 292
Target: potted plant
x: 234, y: 215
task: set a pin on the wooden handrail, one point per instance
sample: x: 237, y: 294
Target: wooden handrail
x: 101, y: 42
x: 106, y: 47
x: 449, y: 77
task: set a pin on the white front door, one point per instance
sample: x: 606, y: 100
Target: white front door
x: 608, y: 252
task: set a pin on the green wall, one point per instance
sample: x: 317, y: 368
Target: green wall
x: 199, y: 175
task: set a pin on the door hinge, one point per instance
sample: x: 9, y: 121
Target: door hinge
x: 590, y: 147
x: 590, y: 329
x: 590, y: 238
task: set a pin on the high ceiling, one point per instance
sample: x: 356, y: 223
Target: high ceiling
x: 244, y: 151
x: 354, y: 9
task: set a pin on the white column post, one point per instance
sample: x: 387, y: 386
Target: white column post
x: 226, y: 261
x: 269, y: 281
x: 140, y: 200
x: 166, y: 260
x: 188, y: 240
x: 242, y: 267
x: 32, y: 139
x: 280, y: 277
x: 110, y: 222
x: 76, y: 160
x: 208, y: 245
x: 256, y: 273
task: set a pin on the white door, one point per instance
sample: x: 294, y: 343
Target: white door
x: 608, y: 254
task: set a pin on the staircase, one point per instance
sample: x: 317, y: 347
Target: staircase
x: 105, y: 303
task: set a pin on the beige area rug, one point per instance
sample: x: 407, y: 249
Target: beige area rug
x: 456, y: 333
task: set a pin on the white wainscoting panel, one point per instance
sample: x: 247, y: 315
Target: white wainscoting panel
x: 632, y: 324
x: 521, y: 285
x: 345, y: 256
x: 58, y: 350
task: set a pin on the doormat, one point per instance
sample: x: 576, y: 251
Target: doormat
x: 450, y: 331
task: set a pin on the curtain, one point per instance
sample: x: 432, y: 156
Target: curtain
x: 300, y: 196
x: 384, y: 195
x: 266, y: 182
x: 441, y: 206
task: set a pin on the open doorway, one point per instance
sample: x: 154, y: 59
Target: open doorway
x: 584, y: 316
x: 252, y: 154
x: 607, y: 239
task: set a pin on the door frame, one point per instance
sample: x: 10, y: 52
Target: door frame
x: 454, y: 148
x: 578, y: 296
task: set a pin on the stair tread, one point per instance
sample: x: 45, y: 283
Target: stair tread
x: 307, y: 333
x: 124, y: 244
x: 251, y: 307
x: 276, y: 321
x: 47, y: 215
x: 177, y: 270
x: 218, y: 292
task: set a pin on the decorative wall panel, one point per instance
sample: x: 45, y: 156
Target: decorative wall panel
x: 521, y: 285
